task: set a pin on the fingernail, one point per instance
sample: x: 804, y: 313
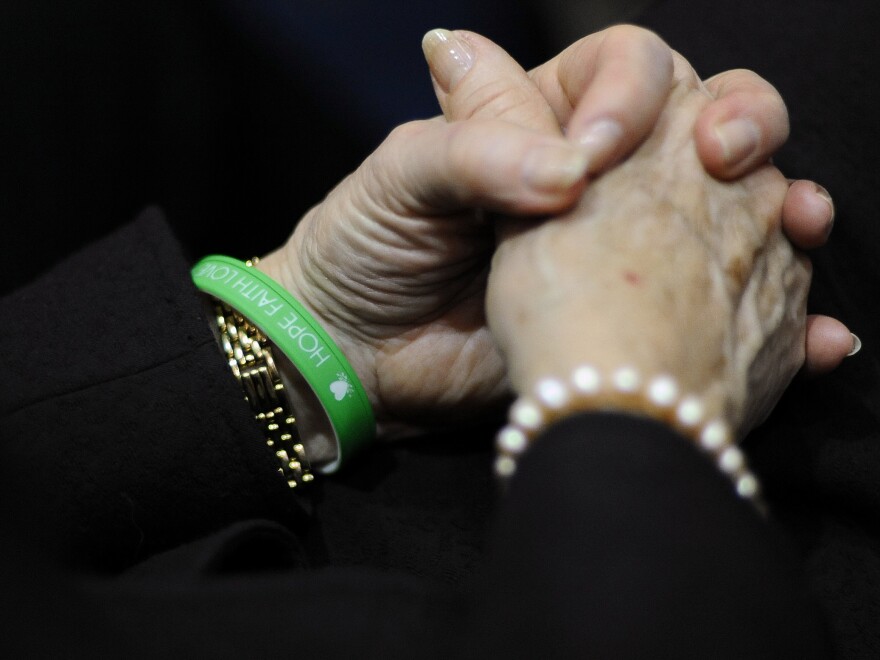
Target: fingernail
x: 448, y: 56
x: 599, y: 140
x: 824, y: 194
x: 554, y: 168
x: 739, y: 138
x: 856, y: 345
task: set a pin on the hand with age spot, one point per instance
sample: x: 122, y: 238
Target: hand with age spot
x: 663, y: 268
x: 394, y: 261
x: 620, y: 77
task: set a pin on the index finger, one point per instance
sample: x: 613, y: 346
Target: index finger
x: 743, y: 127
x: 608, y: 89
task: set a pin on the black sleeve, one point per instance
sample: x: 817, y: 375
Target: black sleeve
x: 122, y: 430
x: 126, y: 444
x: 618, y: 539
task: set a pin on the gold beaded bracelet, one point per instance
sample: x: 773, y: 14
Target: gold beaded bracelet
x: 249, y: 354
x: 624, y: 390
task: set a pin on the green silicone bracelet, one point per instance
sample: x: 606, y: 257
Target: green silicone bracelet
x: 311, y: 350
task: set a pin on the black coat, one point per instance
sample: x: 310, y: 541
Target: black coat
x: 130, y: 463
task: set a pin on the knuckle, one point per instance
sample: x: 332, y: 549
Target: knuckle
x: 495, y: 99
x: 768, y: 108
x: 742, y: 80
x: 394, y: 148
x: 460, y: 145
x: 683, y: 72
x: 633, y: 34
x: 748, y: 78
x: 405, y: 132
x: 479, y: 152
x: 646, y: 43
x: 398, y: 141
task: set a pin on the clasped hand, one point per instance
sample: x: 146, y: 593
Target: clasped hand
x: 395, y: 261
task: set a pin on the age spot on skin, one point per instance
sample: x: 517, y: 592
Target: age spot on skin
x: 632, y: 278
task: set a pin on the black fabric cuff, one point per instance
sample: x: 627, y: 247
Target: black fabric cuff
x: 123, y: 431
x: 618, y: 538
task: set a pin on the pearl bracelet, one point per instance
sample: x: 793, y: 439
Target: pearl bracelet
x: 627, y: 391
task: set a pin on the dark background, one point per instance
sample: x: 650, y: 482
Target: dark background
x: 236, y: 117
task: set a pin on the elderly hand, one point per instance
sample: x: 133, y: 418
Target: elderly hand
x: 394, y: 261
x: 606, y: 91
x: 663, y: 268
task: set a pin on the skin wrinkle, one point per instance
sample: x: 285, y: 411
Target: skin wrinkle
x: 372, y: 291
x: 387, y: 170
x: 458, y: 398
x: 493, y: 97
x: 571, y: 93
x: 477, y: 355
x: 474, y: 347
x: 559, y: 90
x: 489, y: 95
x: 340, y: 286
x: 430, y: 250
x: 380, y: 226
x: 370, y: 349
x: 360, y: 290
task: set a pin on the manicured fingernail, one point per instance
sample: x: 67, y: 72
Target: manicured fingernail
x: 554, y: 169
x: 739, y: 138
x: 856, y: 346
x: 449, y: 57
x: 599, y: 140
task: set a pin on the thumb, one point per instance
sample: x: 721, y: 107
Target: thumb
x: 433, y: 167
x: 475, y: 78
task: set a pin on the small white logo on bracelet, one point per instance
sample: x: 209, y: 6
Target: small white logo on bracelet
x: 341, y: 387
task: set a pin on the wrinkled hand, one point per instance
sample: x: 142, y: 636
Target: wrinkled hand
x: 394, y: 261
x: 664, y: 268
x: 621, y: 77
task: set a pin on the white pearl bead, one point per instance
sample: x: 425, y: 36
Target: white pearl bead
x: 747, y: 486
x: 731, y: 461
x: 626, y: 380
x: 690, y: 411
x: 505, y: 466
x: 526, y: 414
x: 529, y: 414
x: 587, y: 380
x: 512, y: 440
x: 663, y: 392
x: 714, y: 437
x: 552, y: 393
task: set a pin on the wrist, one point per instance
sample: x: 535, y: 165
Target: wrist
x: 277, y: 317
x: 556, y: 341
x: 629, y: 391
x: 283, y: 266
